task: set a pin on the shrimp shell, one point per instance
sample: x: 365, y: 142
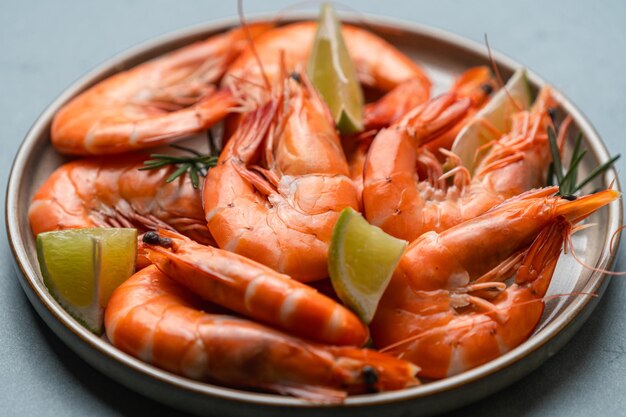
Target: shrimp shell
x: 156, y: 320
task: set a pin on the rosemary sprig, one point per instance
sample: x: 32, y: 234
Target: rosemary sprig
x: 197, y: 164
x: 568, y: 180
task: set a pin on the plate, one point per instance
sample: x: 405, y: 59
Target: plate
x: 444, y: 56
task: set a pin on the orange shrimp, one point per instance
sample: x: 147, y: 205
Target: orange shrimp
x: 475, y: 84
x: 406, y: 205
x: 280, y: 184
x: 154, y: 103
x: 391, y: 107
x: 154, y: 319
x: 256, y: 291
x: 379, y: 64
x: 447, y: 308
x: 112, y: 192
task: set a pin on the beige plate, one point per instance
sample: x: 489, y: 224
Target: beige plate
x: 444, y: 56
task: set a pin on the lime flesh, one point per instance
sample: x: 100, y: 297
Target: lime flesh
x: 496, y: 114
x: 333, y: 73
x: 82, y: 267
x: 361, y: 261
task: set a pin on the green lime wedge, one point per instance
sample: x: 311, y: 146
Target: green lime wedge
x: 82, y: 267
x: 361, y: 260
x: 496, y: 114
x: 333, y: 73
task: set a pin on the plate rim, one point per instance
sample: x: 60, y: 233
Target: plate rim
x: 138, y: 53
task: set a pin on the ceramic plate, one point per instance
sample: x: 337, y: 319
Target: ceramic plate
x: 444, y: 56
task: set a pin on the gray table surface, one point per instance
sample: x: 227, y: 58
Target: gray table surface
x: 45, y: 45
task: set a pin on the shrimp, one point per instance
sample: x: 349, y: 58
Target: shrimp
x: 392, y: 106
x: 406, y: 205
x: 112, y: 192
x: 154, y: 319
x: 280, y: 184
x: 256, y: 291
x: 447, y: 308
x: 154, y: 103
x: 476, y: 84
x: 378, y: 64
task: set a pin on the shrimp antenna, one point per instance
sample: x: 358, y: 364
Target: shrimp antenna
x: 615, y: 234
x: 244, y: 25
x: 593, y: 268
x: 498, y: 75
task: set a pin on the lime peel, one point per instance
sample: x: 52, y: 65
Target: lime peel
x: 334, y: 75
x: 82, y: 267
x: 497, y: 114
x: 361, y: 261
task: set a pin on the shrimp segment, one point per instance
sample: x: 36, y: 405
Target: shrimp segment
x: 154, y: 103
x: 405, y: 204
x: 447, y: 309
x: 280, y: 184
x: 257, y: 291
x: 107, y: 192
x: 153, y: 318
x: 378, y: 63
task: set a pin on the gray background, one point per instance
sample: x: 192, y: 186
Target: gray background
x: 44, y: 46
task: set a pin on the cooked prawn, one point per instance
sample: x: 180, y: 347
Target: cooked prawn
x: 156, y: 102
x: 406, y: 205
x: 379, y: 64
x: 112, y: 192
x: 256, y: 291
x: 154, y: 319
x: 447, y: 308
x: 475, y: 84
x: 280, y: 184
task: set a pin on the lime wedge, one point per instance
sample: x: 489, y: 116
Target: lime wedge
x: 333, y: 73
x: 361, y: 260
x: 82, y: 267
x: 497, y: 114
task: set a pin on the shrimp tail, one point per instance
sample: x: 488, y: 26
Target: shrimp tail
x: 579, y: 209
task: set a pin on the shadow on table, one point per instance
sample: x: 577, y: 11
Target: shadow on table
x: 103, y: 389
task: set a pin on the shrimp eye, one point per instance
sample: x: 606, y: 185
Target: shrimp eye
x: 552, y: 113
x: 569, y: 197
x: 487, y: 88
x: 370, y: 376
x: 296, y: 77
x: 153, y: 238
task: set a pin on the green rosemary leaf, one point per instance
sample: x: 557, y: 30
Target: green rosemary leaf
x: 599, y: 170
x: 550, y: 179
x: 197, y: 164
x: 556, y: 155
x: 193, y: 174
x: 153, y: 164
x: 180, y: 171
x: 577, y: 144
x: 569, y: 180
x: 166, y: 157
